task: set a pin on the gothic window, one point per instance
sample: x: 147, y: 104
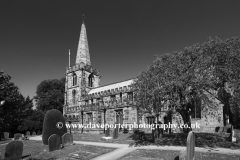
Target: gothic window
x: 74, y: 79
x: 98, y: 100
x: 113, y: 98
x: 90, y: 80
x: 130, y: 96
x: 196, y: 109
x: 89, y: 118
x: 121, y: 97
x: 74, y: 96
x: 99, y: 117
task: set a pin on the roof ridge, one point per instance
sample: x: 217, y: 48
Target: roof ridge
x: 113, y: 83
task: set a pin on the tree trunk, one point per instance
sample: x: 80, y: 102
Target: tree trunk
x: 186, y: 120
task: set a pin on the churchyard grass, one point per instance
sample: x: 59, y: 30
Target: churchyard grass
x: 175, y: 139
x: 122, y: 138
x: 5, y: 141
x: 144, y: 154
x: 38, y: 150
x: 180, y: 139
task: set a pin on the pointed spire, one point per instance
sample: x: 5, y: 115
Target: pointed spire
x: 83, y: 50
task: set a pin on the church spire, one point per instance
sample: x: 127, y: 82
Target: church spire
x: 83, y: 50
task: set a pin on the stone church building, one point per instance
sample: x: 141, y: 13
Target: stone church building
x: 86, y: 101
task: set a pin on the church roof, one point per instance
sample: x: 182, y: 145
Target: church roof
x: 112, y: 86
x: 83, y: 55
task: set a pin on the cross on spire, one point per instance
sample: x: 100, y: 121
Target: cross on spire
x: 83, y: 17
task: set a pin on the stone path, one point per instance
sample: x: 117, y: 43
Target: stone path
x: 123, y: 149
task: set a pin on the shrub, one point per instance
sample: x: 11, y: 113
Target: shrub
x: 51, y: 119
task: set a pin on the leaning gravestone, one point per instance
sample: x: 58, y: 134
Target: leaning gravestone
x: 18, y: 136
x: 54, y: 143
x: 67, y: 139
x: 6, y: 135
x: 54, y: 123
x: 34, y: 133
x: 14, y: 151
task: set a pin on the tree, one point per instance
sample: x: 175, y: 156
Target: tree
x: 50, y: 95
x: 224, y: 58
x: 181, y: 80
x: 33, y: 122
x: 15, y: 108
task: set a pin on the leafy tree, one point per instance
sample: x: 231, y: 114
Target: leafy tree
x: 184, y: 79
x: 13, y: 111
x: 50, y: 95
x: 33, y: 122
x: 224, y: 59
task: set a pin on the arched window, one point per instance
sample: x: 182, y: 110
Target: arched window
x: 130, y: 96
x: 74, y: 79
x: 120, y: 96
x: 90, y: 80
x: 74, y: 96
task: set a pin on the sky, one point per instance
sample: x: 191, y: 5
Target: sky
x: 123, y: 35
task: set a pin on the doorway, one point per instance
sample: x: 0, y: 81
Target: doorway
x: 119, y: 117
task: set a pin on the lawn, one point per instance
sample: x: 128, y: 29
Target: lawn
x: 40, y: 151
x: 175, y: 139
x: 143, y: 154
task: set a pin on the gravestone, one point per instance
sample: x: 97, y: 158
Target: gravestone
x: 18, y: 136
x: 234, y: 139
x: 34, y: 133
x: 115, y: 132
x: 54, y: 143
x: 27, y: 134
x: 39, y: 132
x: 67, y: 139
x: 14, y: 151
x: 107, y: 134
x: 6, y: 135
x: 188, y: 153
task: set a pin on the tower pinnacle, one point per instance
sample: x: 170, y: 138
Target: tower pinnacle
x: 83, y: 17
x: 83, y: 50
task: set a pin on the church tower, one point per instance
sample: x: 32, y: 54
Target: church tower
x: 80, y: 78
